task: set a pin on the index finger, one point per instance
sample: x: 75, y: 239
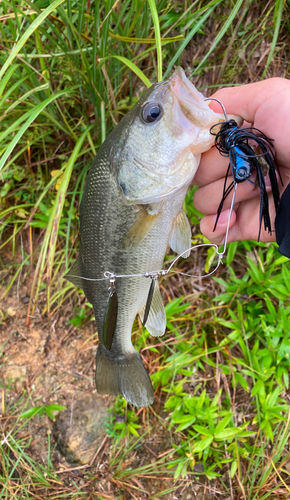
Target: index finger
x: 266, y: 106
x: 245, y: 100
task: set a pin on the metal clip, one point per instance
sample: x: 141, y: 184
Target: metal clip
x: 111, y: 314
x: 154, y: 278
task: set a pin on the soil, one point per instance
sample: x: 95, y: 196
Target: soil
x: 52, y: 362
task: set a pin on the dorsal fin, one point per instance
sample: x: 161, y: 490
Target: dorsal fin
x: 74, y: 275
x: 180, y: 235
x: 156, y: 321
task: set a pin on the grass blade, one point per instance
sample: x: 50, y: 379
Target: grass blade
x: 133, y: 67
x: 158, y: 38
x: 221, y: 33
x: 31, y: 117
x: 51, y: 234
x: 279, y: 10
x: 192, y: 32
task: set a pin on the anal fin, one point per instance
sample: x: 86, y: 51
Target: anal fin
x: 156, y: 320
x: 180, y: 235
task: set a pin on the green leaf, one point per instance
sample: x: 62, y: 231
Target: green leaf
x: 49, y: 413
x: 222, y: 425
x: 39, y: 410
x: 31, y: 116
x: 255, y: 272
x: 55, y: 407
x: 179, y: 468
x: 242, y: 381
x: 234, y: 467
x: 133, y: 67
x: 229, y: 433
x: 268, y: 430
x: 259, y: 388
x: 202, y: 430
x: 185, y: 422
x: 32, y: 412
x: 231, y: 250
x: 202, y: 444
x: 284, y: 349
x: 132, y: 429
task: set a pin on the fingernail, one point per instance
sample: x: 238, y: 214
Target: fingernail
x: 223, y: 218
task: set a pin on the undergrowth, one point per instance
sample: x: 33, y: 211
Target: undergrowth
x: 69, y: 71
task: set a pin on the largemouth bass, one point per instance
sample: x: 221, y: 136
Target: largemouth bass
x: 130, y: 211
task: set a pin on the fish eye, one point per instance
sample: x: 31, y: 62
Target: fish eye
x: 151, y: 112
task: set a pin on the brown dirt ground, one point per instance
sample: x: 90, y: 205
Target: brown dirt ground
x: 52, y: 362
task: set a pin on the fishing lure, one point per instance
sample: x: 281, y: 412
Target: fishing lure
x: 248, y: 150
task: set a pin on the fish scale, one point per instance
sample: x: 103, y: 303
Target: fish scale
x: 130, y: 210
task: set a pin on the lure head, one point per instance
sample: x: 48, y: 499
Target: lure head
x: 242, y: 167
x: 156, y: 147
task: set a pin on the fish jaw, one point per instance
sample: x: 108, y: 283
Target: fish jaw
x: 191, y: 101
x: 191, y: 113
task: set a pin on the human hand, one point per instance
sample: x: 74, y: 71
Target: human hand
x: 266, y: 106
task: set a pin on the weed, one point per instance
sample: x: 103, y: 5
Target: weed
x: 122, y: 422
x: 41, y: 410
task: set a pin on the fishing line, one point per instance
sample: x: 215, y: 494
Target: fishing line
x: 163, y: 272
x: 111, y: 312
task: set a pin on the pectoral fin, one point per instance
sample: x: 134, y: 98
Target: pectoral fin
x: 156, y: 320
x: 74, y: 275
x: 142, y: 225
x: 180, y: 235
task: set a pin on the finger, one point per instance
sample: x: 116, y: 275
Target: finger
x: 213, y: 166
x: 218, y: 236
x: 245, y: 100
x: 264, y: 104
x: 244, y: 225
x: 207, y: 198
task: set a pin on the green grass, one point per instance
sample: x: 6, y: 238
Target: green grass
x: 69, y: 71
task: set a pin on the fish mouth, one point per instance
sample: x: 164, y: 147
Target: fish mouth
x: 190, y: 107
x: 188, y: 101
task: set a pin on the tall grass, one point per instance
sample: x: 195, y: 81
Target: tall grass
x: 69, y: 71
x: 69, y: 66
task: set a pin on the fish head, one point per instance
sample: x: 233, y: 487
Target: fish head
x: 163, y: 138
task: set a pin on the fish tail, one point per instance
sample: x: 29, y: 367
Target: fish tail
x: 124, y: 375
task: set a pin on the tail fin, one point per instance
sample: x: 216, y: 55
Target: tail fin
x: 124, y: 375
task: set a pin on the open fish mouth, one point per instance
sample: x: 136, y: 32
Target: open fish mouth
x: 189, y: 107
